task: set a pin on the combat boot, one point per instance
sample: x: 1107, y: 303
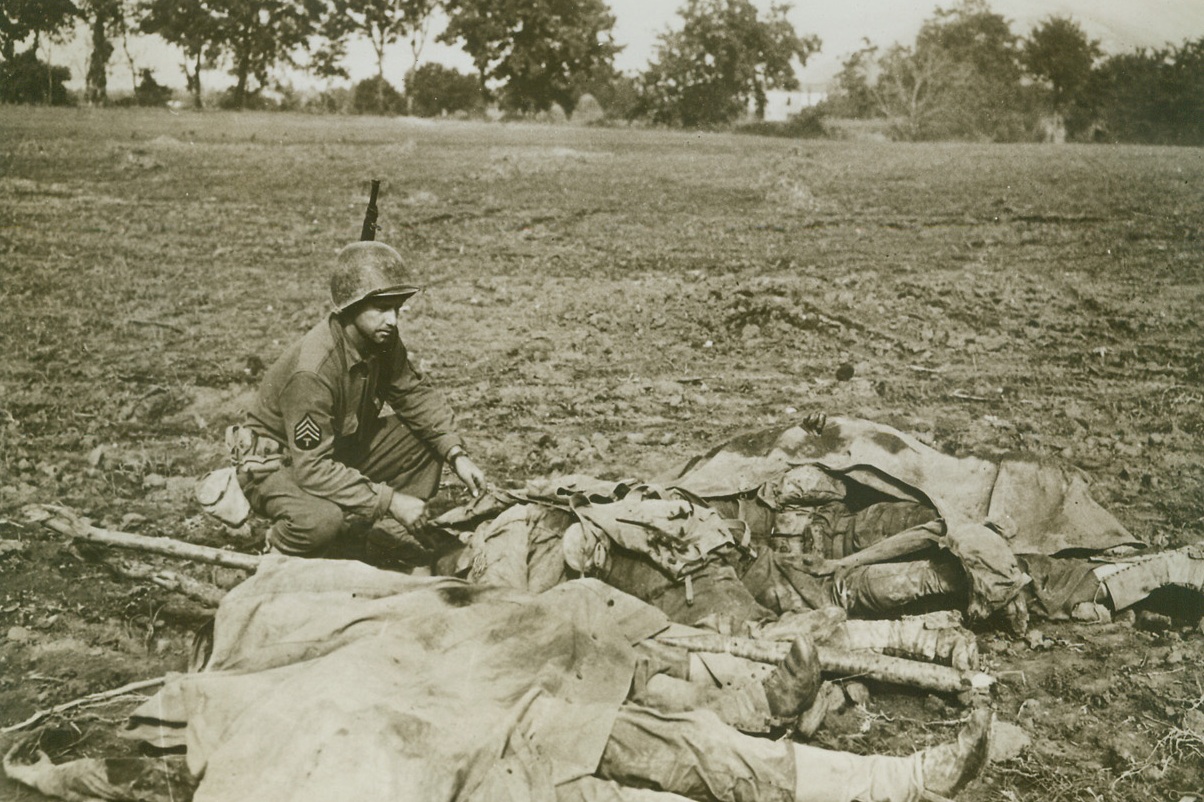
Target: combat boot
x: 948, y: 768
x: 794, y: 684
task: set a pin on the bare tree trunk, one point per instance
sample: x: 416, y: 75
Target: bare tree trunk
x: 240, y: 89
x: 417, y: 42
x: 378, y: 44
x: 129, y: 58
x: 193, y: 80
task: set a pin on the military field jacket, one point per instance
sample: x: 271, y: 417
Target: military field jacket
x: 321, y: 393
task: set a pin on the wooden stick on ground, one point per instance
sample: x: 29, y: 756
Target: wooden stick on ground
x: 85, y: 700
x: 203, y: 592
x: 880, y: 667
x: 66, y: 522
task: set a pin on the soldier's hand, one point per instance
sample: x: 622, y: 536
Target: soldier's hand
x: 408, y: 511
x: 468, y: 473
x: 817, y: 565
x: 815, y: 422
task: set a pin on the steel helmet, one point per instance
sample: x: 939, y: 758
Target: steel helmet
x: 366, y: 270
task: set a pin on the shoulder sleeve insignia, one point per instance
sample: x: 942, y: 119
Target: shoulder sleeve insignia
x: 307, y: 434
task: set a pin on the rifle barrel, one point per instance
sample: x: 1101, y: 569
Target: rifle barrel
x: 368, y: 232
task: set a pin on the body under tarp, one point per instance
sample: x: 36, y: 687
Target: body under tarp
x: 1037, y: 507
x: 989, y: 514
x: 432, y: 688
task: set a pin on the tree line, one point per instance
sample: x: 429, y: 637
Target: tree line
x: 966, y: 75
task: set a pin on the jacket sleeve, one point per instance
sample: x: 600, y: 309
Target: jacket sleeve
x: 422, y: 407
x: 307, y: 406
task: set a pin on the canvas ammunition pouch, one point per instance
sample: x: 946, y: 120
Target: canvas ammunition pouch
x: 252, y: 456
x: 221, y: 496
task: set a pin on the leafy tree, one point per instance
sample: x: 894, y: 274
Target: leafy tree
x: 981, y: 87
x: 724, y: 56
x: 1154, y: 96
x: 20, y: 19
x: 376, y: 96
x: 25, y: 78
x: 150, y: 92
x: 616, y: 93
x: 105, y: 19
x: 192, y: 26
x: 923, y: 91
x: 432, y: 90
x: 972, y: 34
x: 1059, y: 52
x: 256, y: 35
x: 538, y: 50
x: 382, y: 23
x: 961, y: 78
x: 259, y: 34
x: 852, y: 94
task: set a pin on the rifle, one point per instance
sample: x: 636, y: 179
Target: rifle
x: 368, y: 232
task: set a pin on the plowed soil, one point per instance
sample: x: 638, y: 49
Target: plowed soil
x: 609, y: 302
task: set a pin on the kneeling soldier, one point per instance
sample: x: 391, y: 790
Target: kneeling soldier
x: 319, y: 409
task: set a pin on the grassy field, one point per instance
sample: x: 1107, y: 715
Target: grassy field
x: 610, y: 302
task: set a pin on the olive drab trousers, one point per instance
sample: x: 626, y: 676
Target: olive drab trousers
x: 694, y: 755
x: 306, y: 525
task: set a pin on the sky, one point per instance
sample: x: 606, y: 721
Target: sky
x: 1120, y: 25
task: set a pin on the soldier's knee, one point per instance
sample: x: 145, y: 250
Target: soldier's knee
x: 308, y: 531
x: 421, y: 479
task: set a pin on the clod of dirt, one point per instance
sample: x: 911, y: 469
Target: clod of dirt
x: 1153, y: 622
x: 96, y: 456
x: 1008, y: 741
x: 1036, y: 639
x: 1124, y: 750
x: 153, y: 480
x: 935, y: 705
x: 18, y: 634
x: 844, y: 372
x: 10, y: 547
x: 857, y: 693
x: 1091, y: 613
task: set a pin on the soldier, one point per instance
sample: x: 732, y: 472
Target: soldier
x: 316, y: 455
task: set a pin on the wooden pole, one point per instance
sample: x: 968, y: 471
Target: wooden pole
x: 133, y: 687
x: 68, y: 523
x: 203, y: 592
x: 842, y: 662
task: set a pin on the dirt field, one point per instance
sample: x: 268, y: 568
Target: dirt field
x: 609, y: 302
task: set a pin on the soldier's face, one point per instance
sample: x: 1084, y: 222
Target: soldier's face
x: 376, y: 321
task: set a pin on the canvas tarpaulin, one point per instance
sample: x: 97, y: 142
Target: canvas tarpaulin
x: 431, y: 689
x: 334, y: 680
x: 1039, y: 508
x: 992, y: 510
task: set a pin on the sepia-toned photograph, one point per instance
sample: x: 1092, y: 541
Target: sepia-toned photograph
x: 602, y: 400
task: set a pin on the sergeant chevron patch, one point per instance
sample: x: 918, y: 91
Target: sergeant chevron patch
x: 307, y: 434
